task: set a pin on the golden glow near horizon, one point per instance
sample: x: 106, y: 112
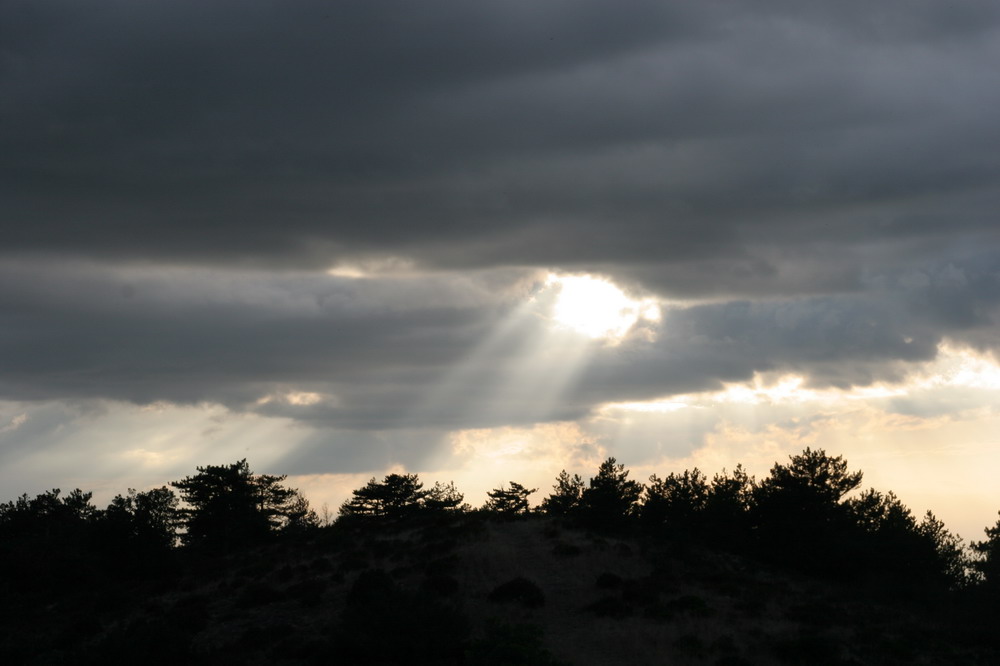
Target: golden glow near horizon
x: 931, y: 436
x: 596, y: 308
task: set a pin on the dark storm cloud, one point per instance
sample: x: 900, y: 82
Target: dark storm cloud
x: 637, y: 138
x: 824, y: 177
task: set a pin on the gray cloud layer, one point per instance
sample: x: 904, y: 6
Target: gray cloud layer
x: 747, y: 139
x: 377, y: 348
x: 823, y: 178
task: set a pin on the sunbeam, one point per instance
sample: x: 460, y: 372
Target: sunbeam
x: 521, y: 372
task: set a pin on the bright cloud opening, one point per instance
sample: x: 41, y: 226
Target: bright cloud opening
x: 596, y: 308
x: 954, y: 367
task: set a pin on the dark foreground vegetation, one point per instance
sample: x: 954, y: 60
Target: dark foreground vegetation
x: 231, y: 567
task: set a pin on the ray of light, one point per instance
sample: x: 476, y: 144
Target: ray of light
x: 520, y: 372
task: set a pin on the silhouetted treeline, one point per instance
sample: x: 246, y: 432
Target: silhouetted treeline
x: 808, y: 515
x: 805, y: 514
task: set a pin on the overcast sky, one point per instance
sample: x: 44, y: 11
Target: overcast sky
x: 339, y: 238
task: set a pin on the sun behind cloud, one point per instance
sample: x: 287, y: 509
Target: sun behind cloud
x: 596, y: 308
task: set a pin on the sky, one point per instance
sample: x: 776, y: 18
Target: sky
x: 487, y: 241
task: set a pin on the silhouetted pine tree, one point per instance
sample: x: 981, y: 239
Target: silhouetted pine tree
x: 611, y: 497
x: 444, y: 498
x: 138, y: 530
x: 728, y: 507
x: 676, y: 501
x: 48, y: 542
x: 229, y: 506
x: 566, y: 495
x: 799, y: 515
x: 511, y: 501
x: 987, y: 558
x: 396, y: 496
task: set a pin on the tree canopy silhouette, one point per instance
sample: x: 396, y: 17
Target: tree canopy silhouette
x: 511, y: 501
x: 798, y: 511
x: 566, y: 495
x: 396, y: 496
x: 814, y: 477
x: 230, y: 506
x: 805, y: 492
x: 676, y: 500
x: 890, y: 546
x: 444, y: 497
x: 987, y: 558
x: 610, y: 496
x: 805, y: 517
x: 138, y: 529
x: 727, y: 508
x: 47, y: 541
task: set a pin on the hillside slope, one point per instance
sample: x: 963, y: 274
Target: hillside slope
x: 475, y: 591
